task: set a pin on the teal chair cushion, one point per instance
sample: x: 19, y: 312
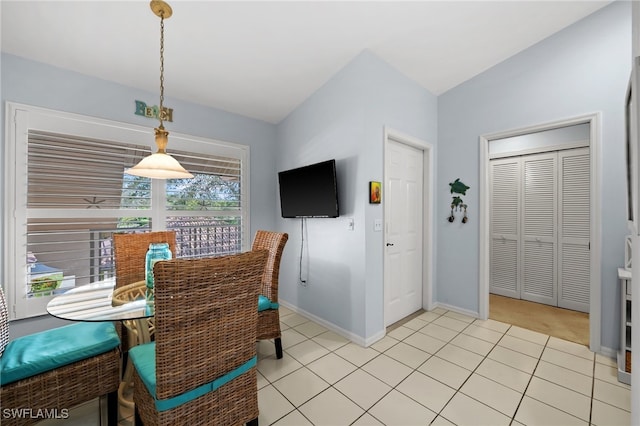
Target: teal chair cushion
x: 47, y: 350
x: 144, y: 360
x: 264, y: 303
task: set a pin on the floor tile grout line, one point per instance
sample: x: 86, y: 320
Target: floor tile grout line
x: 459, y: 390
x: 413, y: 331
x: 413, y: 370
x: 416, y: 369
x: 532, y: 374
x: 563, y: 386
x: 593, y: 389
x: 485, y: 357
x: 524, y: 392
x: 439, y: 414
x: 330, y: 385
x: 549, y: 405
x: 366, y: 411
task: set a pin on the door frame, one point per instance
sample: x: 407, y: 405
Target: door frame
x: 428, y: 173
x: 595, y: 153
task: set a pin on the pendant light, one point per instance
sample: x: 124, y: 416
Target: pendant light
x: 160, y: 165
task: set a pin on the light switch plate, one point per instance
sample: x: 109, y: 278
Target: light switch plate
x: 350, y: 224
x: 377, y: 225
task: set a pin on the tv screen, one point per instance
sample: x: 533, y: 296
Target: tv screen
x: 309, y: 191
x: 629, y: 154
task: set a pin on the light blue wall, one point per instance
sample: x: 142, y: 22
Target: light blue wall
x: 583, y: 69
x: 345, y: 120
x: 41, y: 85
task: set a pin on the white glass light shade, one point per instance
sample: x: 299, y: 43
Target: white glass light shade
x: 159, y: 166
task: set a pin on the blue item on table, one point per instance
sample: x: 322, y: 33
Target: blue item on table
x: 156, y: 252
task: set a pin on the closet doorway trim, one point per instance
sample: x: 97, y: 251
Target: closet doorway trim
x: 595, y: 310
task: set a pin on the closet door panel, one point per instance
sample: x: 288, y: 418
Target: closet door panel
x: 574, y: 229
x: 505, y: 226
x: 539, y: 229
x: 539, y: 272
x: 574, y: 279
x: 504, y: 269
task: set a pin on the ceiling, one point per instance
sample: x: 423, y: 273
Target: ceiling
x: 261, y: 59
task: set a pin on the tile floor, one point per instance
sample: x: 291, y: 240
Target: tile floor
x: 440, y: 368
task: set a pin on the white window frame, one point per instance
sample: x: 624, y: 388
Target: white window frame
x: 19, y: 120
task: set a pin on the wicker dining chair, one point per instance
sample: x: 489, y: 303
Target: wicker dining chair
x: 268, y: 313
x: 201, y: 369
x: 130, y: 250
x: 47, y: 373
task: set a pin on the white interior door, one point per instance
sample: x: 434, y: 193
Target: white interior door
x: 573, y: 229
x: 539, y: 229
x: 505, y: 226
x: 403, y: 194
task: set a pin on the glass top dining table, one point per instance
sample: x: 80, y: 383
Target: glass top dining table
x: 94, y: 302
x: 100, y: 301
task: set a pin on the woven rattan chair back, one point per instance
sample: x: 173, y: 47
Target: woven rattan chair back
x: 4, y: 322
x: 206, y: 316
x: 130, y: 249
x: 269, y: 320
x: 274, y: 242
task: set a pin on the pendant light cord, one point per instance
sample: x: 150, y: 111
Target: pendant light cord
x: 161, y: 112
x: 302, y: 223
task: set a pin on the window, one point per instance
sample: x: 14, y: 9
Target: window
x: 69, y: 194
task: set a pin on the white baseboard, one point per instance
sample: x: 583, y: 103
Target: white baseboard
x: 359, y: 340
x: 474, y: 314
x: 608, y: 352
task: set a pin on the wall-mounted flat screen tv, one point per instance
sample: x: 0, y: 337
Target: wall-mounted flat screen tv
x: 309, y: 191
x: 633, y: 149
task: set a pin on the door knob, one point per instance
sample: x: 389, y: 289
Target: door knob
x: 389, y: 244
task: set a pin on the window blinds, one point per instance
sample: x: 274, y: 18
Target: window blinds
x: 78, y: 196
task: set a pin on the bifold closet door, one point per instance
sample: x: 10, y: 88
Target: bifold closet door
x: 539, y: 229
x: 505, y: 226
x: 574, y: 229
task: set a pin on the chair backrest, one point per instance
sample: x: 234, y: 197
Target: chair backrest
x: 206, y: 318
x: 130, y: 250
x: 274, y: 242
x: 4, y: 322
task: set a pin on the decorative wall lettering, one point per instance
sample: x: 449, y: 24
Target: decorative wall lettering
x: 152, y: 111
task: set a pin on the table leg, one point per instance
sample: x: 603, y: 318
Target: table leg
x: 138, y: 335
